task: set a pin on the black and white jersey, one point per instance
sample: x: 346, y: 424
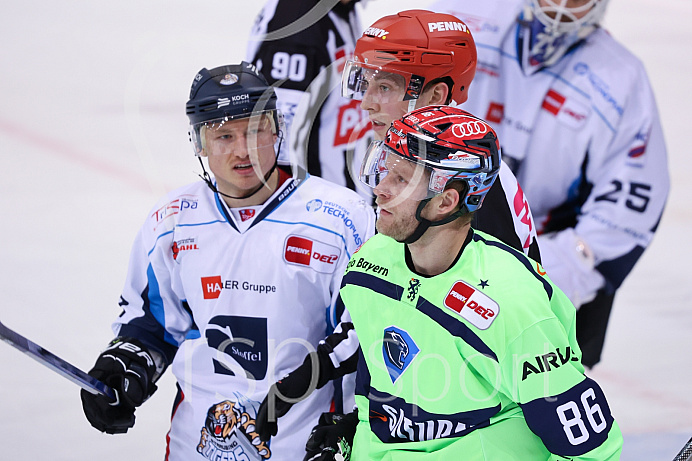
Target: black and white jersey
x: 302, y: 53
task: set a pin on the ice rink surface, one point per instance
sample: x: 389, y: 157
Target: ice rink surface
x: 93, y: 132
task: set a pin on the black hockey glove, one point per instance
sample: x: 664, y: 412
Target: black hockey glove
x: 129, y: 368
x: 291, y: 389
x: 332, y: 438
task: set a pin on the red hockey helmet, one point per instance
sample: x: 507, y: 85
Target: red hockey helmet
x: 420, y: 45
x: 450, y: 143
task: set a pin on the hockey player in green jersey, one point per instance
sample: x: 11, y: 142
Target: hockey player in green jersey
x: 467, y: 349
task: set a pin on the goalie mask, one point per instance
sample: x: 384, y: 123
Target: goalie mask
x: 444, y: 144
x: 553, y: 27
x: 416, y: 47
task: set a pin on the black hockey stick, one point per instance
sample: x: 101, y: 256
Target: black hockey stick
x: 686, y: 452
x: 55, y: 363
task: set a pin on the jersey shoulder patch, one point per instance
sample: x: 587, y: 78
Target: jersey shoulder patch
x: 479, y: 309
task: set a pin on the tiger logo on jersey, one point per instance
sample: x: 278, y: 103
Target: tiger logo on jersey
x: 228, y: 433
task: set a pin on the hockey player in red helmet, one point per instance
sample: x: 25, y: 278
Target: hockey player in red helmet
x: 429, y: 285
x: 440, y: 145
x: 416, y: 57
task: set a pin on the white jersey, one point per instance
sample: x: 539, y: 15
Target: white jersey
x: 584, y: 140
x: 306, y: 63
x: 240, y: 296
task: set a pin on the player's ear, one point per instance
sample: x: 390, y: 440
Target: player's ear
x: 439, y: 93
x: 447, y: 202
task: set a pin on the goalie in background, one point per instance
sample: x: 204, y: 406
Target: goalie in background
x: 581, y: 131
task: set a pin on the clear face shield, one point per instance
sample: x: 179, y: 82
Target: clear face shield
x: 237, y: 134
x: 385, y: 169
x: 359, y: 80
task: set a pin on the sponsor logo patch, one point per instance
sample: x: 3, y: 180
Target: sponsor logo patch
x: 475, y: 306
x: 229, y: 79
x: 247, y: 213
x: 334, y: 209
x: 241, y: 344
x: 636, y: 154
x: 477, y: 24
x: 211, y: 287
x: 393, y: 420
x: 174, y: 207
x: 469, y: 128
x: 313, y: 205
x: 444, y: 26
x: 375, y: 32
x: 553, y: 102
x: 303, y: 251
x: 567, y: 110
x: 182, y: 245
x: 496, y: 112
x: 547, y: 362
x: 367, y: 266
x: 351, y: 124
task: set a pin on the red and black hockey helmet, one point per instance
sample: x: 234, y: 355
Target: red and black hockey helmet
x: 452, y: 144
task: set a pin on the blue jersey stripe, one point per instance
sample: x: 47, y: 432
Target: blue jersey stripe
x: 394, y: 420
x: 293, y: 223
x: 455, y: 327
x: 156, y: 307
x: 521, y: 258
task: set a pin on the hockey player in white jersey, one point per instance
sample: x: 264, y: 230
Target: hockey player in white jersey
x: 231, y: 280
x: 301, y: 46
x: 581, y: 131
x: 416, y: 58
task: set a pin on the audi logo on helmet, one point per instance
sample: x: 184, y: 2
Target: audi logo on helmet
x: 469, y: 128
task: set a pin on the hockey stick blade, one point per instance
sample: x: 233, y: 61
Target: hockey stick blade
x: 55, y: 363
x: 686, y: 452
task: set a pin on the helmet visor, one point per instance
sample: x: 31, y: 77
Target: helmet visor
x: 228, y: 135
x: 360, y: 80
x: 385, y: 168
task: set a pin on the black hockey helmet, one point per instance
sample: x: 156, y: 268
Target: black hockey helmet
x: 226, y: 93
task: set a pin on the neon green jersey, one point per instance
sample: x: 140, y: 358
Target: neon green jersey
x: 480, y: 362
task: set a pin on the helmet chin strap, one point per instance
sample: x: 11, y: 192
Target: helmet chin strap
x: 424, y: 224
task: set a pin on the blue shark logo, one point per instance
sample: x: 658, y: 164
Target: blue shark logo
x: 398, y: 350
